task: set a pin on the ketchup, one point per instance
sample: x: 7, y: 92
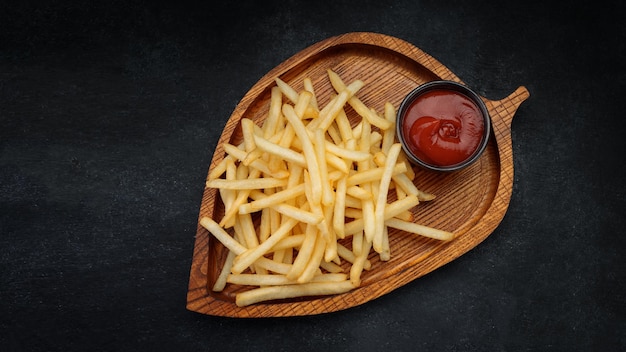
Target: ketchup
x: 443, y: 127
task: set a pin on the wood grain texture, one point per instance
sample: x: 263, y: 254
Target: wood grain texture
x: 470, y: 202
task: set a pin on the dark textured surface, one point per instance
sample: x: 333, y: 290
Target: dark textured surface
x: 109, y: 114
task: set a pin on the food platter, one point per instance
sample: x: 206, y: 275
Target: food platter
x: 469, y: 202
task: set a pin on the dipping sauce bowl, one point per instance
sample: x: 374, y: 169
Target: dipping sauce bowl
x: 443, y: 126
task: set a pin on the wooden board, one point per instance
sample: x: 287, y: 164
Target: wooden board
x: 471, y: 202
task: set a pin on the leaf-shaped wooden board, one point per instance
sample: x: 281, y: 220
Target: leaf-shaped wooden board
x: 471, y: 202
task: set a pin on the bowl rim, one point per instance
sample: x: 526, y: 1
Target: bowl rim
x: 445, y: 85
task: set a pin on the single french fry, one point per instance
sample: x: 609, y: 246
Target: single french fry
x: 348, y: 154
x: 357, y: 130
x: 367, y: 205
x: 353, y: 213
x: 418, y: 229
x: 331, y: 267
x: 287, y: 137
x: 264, y: 226
x: 289, y: 291
x: 352, y: 202
x: 261, y: 201
x: 368, y: 219
x: 357, y: 267
x: 314, y: 261
x: 270, y: 125
x: 219, y: 169
x: 335, y: 175
x: 247, y: 130
x: 293, y: 241
x: 337, y: 163
x: 304, y: 254
x: 340, y: 208
x: 308, y: 150
x: 405, y: 215
x: 343, y: 125
x: 357, y: 242
x: 254, y: 183
x: 279, y: 151
x: 308, y: 86
x: 330, y: 250
x: 287, y: 90
x: 424, y: 196
x: 304, y: 99
x: 320, y: 152
x: 400, y: 192
x: 279, y: 280
x: 390, y: 133
x: 385, y: 253
x: 359, y: 193
x: 410, y: 173
x: 221, y: 280
x: 228, y: 195
x: 381, y: 200
x: 221, y: 235
x: 273, y: 266
x: 375, y: 140
x: 245, y: 228
x: 333, y: 133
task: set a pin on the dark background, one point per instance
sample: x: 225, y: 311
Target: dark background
x: 110, y: 111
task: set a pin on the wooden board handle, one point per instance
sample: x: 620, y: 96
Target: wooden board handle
x: 502, y: 111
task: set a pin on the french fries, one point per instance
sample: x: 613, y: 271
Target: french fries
x: 318, y: 186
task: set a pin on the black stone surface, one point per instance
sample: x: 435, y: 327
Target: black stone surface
x: 110, y: 111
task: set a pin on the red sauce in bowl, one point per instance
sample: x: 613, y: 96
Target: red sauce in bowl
x: 443, y: 127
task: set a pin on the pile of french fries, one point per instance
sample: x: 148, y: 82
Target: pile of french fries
x: 321, y: 183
